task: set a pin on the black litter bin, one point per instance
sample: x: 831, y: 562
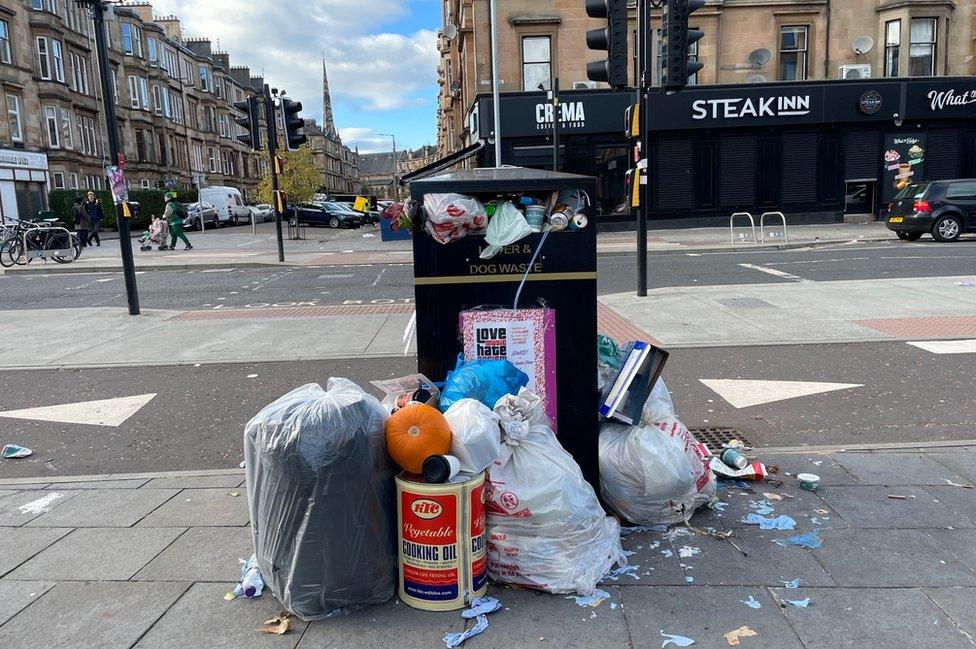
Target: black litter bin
x: 450, y: 278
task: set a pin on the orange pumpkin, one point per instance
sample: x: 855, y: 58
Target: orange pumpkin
x: 414, y: 433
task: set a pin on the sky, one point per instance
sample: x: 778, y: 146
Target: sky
x: 381, y: 57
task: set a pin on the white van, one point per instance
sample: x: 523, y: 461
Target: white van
x: 228, y: 202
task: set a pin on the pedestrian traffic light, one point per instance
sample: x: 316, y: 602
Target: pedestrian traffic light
x: 294, y: 137
x: 250, y: 122
x: 676, y: 39
x: 612, y: 39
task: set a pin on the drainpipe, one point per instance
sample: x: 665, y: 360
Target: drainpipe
x: 827, y: 43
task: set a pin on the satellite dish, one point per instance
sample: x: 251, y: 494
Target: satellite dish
x: 450, y: 31
x: 760, y: 57
x: 862, y: 44
x: 756, y: 78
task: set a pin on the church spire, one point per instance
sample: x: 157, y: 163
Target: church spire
x: 328, y: 123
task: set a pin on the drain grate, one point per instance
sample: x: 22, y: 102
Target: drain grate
x: 713, y: 438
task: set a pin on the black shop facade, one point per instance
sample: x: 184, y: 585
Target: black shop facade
x: 819, y: 152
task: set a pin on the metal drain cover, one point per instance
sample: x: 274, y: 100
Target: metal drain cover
x: 713, y: 438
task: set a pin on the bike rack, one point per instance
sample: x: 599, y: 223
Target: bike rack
x: 762, y: 232
x: 752, y: 225
x: 44, y: 252
x: 296, y: 231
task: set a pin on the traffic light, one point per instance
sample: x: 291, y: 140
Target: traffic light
x: 676, y: 38
x: 612, y: 39
x: 250, y: 122
x: 294, y: 137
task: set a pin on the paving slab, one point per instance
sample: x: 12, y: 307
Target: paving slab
x: 18, y: 544
x: 199, y: 508
x: 802, y: 506
x: 533, y: 619
x: 24, y: 486
x: 26, y: 506
x: 960, y: 463
x: 201, y: 618
x: 891, y: 559
x: 961, y: 501
x: 841, y: 618
x: 99, y: 484
x: 870, y: 507
x: 790, y: 464
x: 704, y: 614
x: 106, y: 508
x: 201, y: 554
x: 960, y: 543
x: 959, y: 604
x: 390, y: 624
x: 196, y: 482
x: 717, y: 563
x: 653, y: 565
x: 17, y: 595
x: 895, y: 469
x: 103, y: 615
x: 8, y: 492
x: 106, y: 554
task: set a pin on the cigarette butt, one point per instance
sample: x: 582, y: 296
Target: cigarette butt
x: 897, y: 497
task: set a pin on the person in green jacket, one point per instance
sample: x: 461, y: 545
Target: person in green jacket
x: 174, y: 215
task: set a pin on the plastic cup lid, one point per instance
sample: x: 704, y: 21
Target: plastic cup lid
x: 808, y: 477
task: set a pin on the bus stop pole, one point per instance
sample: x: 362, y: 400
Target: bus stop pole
x: 639, y: 175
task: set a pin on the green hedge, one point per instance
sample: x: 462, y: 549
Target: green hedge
x: 150, y: 203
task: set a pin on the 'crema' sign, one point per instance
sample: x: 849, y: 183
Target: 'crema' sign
x: 571, y: 115
x: 738, y: 107
x: 939, y: 100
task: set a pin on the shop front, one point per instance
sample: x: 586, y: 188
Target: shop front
x: 23, y: 184
x: 819, y: 152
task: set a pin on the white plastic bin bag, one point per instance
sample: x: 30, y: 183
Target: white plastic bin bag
x: 475, y: 437
x: 321, y: 495
x: 546, y: 528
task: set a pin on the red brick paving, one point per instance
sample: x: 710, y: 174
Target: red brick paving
x: 963, y: 326
x: 612, y: 324
x: 277, y: 313
x: 359, y: 258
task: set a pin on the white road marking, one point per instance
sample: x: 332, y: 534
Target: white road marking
x: 379, y: 276
x: 103, y: 412
x: 773, y: 271
x: 946, y: 346
x: 107, y: 279
x: 742, y: 393
x: 42, y: 504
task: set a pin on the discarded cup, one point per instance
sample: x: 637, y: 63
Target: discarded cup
x: 15, y: 451
x: 734, y: 459
x: 808, y: 481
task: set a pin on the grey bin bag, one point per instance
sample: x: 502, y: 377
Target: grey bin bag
x: 321, y: 492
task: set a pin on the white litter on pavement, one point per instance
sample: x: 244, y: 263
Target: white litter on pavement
x: 42, y: 504
x: 597, y: 598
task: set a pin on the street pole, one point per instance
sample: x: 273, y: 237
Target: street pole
x: 111, y: 129
x: 643, y: 30
x: 555, y: 124
x: 269, y: 116
x: 495, y: 108
x: 396, y: 185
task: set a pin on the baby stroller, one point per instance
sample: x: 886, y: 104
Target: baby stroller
x: 157, y: 235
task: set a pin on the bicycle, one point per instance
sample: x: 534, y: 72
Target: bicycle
x: 39, y: 240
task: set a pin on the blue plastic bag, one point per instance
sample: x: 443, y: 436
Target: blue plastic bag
x: 484, y: 380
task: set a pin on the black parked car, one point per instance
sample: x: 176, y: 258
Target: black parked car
x: 945, y: 208
x: 332, y: 215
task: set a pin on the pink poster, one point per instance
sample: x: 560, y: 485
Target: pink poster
x: 526, y: 337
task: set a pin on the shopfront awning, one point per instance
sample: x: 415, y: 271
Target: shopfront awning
x: 444, y: 163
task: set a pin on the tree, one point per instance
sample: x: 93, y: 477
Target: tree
x: 299, y: 179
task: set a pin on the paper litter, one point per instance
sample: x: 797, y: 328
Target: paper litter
x: 810, y: 540
x: 676, y: 640
x: 277, y: 625
x: 781, y: 522
x: 800, y: 603
x: 597, y: 598
x: 629, y: 570
x: 455, y: 639
x: 481, y: 606
x: 792, y: 584
x: 12, y: 451
x: 732, y: 637
x: 751, y: 602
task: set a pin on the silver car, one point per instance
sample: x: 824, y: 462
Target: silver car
x: 262, y: 212
x: 202, y: 211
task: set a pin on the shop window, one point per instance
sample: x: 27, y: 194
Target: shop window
x: 30, y: 198
x: 13, y: 118
x: 5, y: 42
x: 921, y: 51
x: 793, y: 52
x: 892, y: 47
x: 536, y: 62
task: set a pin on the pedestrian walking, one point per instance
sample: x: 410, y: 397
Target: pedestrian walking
x: 95, y: 216
x: 174, y: 214
x: 82, y: 222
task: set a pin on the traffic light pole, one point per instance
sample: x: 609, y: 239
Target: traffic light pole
x: 111, y: 130
x: 269, y: 116
x: 643, y: 29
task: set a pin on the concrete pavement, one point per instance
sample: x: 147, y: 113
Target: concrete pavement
x: 143, y: 560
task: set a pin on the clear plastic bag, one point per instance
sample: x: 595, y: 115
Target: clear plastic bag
x: 475, y: 438
x: 321, y: 494
x: 546, y: 528
x: 657, y: 472
x: 508, y: 225
x: 451, y: 216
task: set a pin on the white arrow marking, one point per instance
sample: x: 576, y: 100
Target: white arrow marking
x: 742, y: 393
x: 104, y: 412
x: 946, y: 346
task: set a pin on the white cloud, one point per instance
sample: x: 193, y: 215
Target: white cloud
x: 286, y: 40
x: 368, y: 140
